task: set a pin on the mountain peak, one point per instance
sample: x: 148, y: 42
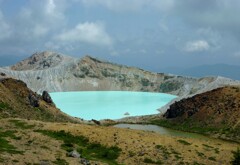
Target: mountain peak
x: 88, y: 57
x: 40, y: 61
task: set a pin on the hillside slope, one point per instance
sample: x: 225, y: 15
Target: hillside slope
x: 56, y: 72
x: 214, y: 112
x: 35, y: 142
x: 17, y: 101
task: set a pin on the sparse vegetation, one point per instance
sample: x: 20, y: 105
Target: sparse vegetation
x: 5, y: 145
x: 164, y: 150
x: 236, y: 157
x: 207, y: 146
x: 169, y: 86
x: 212, y: 158
x: 87, y: 149
x: 145, y: 82
x: 4, y: 106
x: 216, y: 150
x: 59, y: 161
x: 15, y: 103
x: 150, y: 161
x: 197, y: 163
x: 190, y: 114
x: 184, y: 142
x: 21, y: 124
x: 200, y: 154
x: 131, y: 153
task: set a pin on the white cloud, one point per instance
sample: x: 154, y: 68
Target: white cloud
x: 38, y: 18
x: 50, y: 7
x: 39, y: 30
x: 88, y: 32
x: 165, y: 6
x: 123, y: 5
x: 54, y: 10
x: 218, y: 14
x: 237, y: 54
x: 5, y: 30
x: 196, y: 46
x: 130, y: 5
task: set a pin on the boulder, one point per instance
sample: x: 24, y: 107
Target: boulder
x: 46, y: 97
x: 2, y: 74
x: 34, y: 101
x: 74, y: 154
x: 84, y: 161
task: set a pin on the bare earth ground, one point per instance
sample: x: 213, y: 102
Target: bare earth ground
x: 135, y: 145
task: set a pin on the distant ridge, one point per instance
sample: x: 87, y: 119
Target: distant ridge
x: 224, y: 70
x: 56, y: 72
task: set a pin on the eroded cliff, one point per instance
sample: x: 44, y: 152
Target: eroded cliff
x: 55, y: 72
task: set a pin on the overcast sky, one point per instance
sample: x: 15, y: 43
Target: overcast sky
x: 150, y: 34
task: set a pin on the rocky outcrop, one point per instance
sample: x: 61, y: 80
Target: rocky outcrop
x: 217, y: 110
x: 74, y: 154
x: 18, y: 101
x: 2, y: 74
x: 55, y: 72
x: 40, y: 61
x: 33, y: 100
x: 46, y: 97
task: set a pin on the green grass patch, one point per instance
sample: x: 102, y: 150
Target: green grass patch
x: 236, y: 157
x: 5, y: 145
x: 200, y: 154
x: 184, y: 142
x: 60, y: 162
x: 21, y: 124
x: 1, y: 160
x: 4, y: 106
x: 93, y: 151
x: 150, y: 161
x: 212, y: 158
x: 216, y: 150
x: 197, y: 163
x: 8, y: 133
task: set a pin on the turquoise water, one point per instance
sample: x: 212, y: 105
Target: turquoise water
x: 109, y: 104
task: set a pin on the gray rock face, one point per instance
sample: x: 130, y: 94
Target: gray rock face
x: 39, y: 61
x: 46, y: 97
x: 34, y: 101
x: 2, y: 74
x: 74, y: 154
x: 54, y: 72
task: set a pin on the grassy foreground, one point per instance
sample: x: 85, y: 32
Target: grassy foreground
x: 35, y: 142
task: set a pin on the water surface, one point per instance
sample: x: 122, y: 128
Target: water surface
x: 161, y: 130
x: 109, y: 104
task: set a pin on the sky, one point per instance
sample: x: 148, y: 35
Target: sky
x: 150, y: 34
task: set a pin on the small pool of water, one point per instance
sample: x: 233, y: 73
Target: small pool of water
x: 162, y: 130
x: 109, y: 104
